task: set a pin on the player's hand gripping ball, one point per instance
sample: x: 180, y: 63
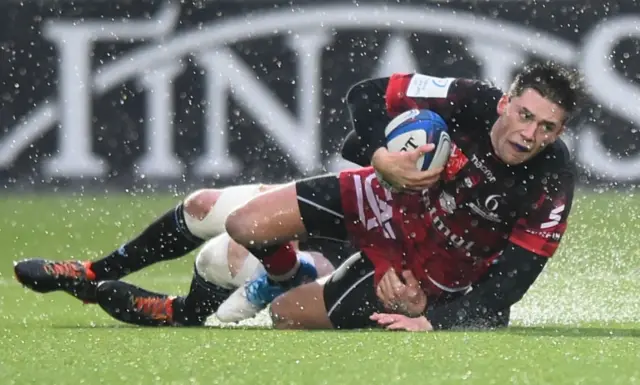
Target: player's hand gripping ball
x: 414, y: 128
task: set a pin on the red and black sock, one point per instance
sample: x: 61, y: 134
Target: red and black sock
x: 278, y: 260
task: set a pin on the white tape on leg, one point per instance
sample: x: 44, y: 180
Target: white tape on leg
x: 213, y: 223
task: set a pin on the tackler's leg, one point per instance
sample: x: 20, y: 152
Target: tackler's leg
x: 345, y: 300
x: 220, y: 267
x: 266, y: 226
x: 211, y: 284
x: 179, y: 231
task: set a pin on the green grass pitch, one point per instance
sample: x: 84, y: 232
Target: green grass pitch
x: 580, y: 323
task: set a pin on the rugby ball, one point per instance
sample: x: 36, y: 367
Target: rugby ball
x: 415, y: 128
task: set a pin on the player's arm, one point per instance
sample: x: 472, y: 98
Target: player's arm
x: 372, y: 103
x: 368, y: 115
x: 354, y: 151
x: 367, y: 105
x: 533, y: 241
x: 505, y: 284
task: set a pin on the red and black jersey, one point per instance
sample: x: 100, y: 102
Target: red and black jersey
x: 481, y: 202
x: 450, y: 236
x: 495, y: 225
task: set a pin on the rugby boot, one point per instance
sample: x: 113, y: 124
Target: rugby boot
x: 134, y: 305
x: 248, y: 300
x: 44, y: 276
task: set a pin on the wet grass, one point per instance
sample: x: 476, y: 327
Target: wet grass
x: 580, y: 324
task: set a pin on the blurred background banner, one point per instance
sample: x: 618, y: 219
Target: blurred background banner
x: 122, y: 95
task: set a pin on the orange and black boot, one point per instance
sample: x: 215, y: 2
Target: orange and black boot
x: 44, y: 276
x: 134, y: 305
x: 131, y: 304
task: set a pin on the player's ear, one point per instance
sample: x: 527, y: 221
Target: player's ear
x: 502, y: 104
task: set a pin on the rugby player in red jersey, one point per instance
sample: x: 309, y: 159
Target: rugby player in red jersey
x: 495, y: 214
x: 490, y: 219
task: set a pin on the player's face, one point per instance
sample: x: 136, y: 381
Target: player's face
x: 527, y: 124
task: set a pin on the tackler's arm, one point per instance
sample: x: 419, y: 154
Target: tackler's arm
x: 505, y: 283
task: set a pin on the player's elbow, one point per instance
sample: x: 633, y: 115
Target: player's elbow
x: 353, y: 150
x: 357, y: 91
x: 368, y: 113
x: 366, y: 92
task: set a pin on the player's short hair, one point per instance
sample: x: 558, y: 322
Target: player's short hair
x: 560, y: 85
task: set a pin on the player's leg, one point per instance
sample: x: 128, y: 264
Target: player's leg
x: 267, y: 224
x: 345, y: 301
x: 211, y: 284
x: 180, y: 230
x: 220, y: 267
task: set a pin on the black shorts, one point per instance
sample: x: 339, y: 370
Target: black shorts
x: 321, y: 207
x: 321, y: 211
x: 350, y: 298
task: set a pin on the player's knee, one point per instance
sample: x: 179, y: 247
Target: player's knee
x: 225, y: 263
x: 211, y: 261
x: 198, y: 209
x: 205, y: 211
x: 199, y: 204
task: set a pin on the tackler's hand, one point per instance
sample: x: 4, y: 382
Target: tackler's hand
x: 398, y: 169
x: 402, y: 297
x: 402, y: 322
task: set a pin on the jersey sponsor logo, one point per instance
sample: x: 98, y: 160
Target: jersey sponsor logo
x: 468, y: 182
x: 482, y: 167
x: 455, y: 239
x: 554, y: 218
x: 425, y: 86
x: 487, y: 210
x: 555, y: 236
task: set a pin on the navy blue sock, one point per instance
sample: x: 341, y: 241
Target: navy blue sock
x: 203, y: 300
x: 165, y: 239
